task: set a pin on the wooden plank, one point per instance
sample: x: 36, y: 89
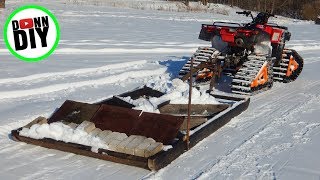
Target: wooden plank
x: 115, y: 136
x: 104, y: 135
x: 122, y: 146
x: 84, y: 150
x: 115, y: 139
x: 129, y: 149
x: 153, y: 149
x: 139, y: 150
x: 113, y: 144
x: 119, y: 136
x: 95, y: 132
x: 109, y: 137
x: 73, y: 125
x: 86, y: 126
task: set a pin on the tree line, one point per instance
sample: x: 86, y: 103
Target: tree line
x: 300, y: 9
x: 2, y: 3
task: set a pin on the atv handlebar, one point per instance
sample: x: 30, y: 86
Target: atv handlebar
x: 244, y: 12
x: 269, y: 14
x: 261, y: 18
x: 247, y: 13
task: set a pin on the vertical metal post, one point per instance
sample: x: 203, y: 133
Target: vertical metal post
x: 189, y: 105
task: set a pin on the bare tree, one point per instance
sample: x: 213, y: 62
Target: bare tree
x: 2, y: 3
x: 186, y: 2
x: 272, y: 7
x: 303, y: 9
x: 204, y: 2
x: 258, y: 5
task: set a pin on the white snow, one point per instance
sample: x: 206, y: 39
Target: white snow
x: 61, y: 132
x: 79, y: 84
x: 76, y: 72
x: 177, y: 94
x: 277, y: 137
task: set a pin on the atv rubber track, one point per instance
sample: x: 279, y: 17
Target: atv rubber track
x: 203, y: 54
x: 241, y: 83
x: 281, y: 70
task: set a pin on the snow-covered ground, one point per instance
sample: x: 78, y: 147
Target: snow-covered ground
x: 106, y: 51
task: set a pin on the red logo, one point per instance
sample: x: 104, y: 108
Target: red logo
x: 26, y: 23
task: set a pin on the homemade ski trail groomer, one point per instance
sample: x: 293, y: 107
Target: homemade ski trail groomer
x: 253, y: 54
x: 146, y: 127
x: 115, y: 130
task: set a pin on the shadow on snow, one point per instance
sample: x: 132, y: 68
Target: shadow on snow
x: 174, y: 64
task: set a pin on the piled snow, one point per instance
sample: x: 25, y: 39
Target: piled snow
x: 263, y: 47
x: 180, y: 94
x: 61, y: 132
x: 177, y: 92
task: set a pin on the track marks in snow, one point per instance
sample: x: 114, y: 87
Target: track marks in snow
x: 267, y: 141
x: 74, y: 85
x: 44, y: 84
x: 124, y: 51
x: 311, y: 60
x: 81, y: 51
x: 72, y: 73
x: 306, y: 46
x: 129, y: 44
x: 133, y: 17
x: 260, y: 136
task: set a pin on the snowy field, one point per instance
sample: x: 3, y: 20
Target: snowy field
x: 106, y: 51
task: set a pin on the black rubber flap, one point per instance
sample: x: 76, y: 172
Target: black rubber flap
x: 72, y: 111
x: 160, y: 127
x: 145, y: 92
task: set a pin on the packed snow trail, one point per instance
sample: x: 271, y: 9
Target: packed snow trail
x: 74, y: 85
x: 276, y: 138
x: 71, y: 73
